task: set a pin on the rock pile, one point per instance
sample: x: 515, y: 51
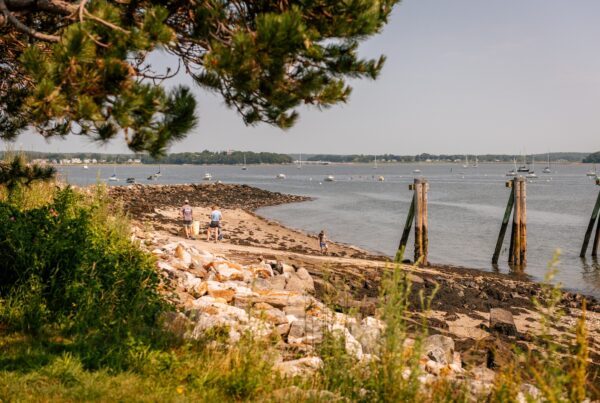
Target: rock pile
x: 272, y: 299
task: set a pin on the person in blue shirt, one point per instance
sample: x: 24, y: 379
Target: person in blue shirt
x: 215, y: 223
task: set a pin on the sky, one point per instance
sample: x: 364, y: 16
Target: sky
x: 461, y: 77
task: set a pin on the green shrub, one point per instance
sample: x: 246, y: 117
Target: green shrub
x: 71, y: 265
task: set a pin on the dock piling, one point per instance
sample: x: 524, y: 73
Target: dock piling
x: 418, y: 213
x: 590, y: 228
x: 509, y: 207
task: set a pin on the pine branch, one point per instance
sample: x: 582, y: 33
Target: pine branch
x: 19, y: 26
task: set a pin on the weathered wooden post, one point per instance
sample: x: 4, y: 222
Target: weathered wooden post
x: 590, y: 227
x: 424, y: 229
x: 418, y: 212
x: 523, y: 222
x: 516, y: 230
x: 418, y: 219
x: 406, y: 231
x: 509, y: 208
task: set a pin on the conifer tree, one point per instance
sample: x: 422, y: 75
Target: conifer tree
x: 81, y: 66
x: 15, y: 172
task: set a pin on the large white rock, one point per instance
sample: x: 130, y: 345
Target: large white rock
x: 368, y: 333
x: 226, y: 272
x: 301, y: 367
x: 262, y: 270
x: 439, y: 348
x: 352, y: 346
x: 277, y: 282
x: 306, y: 331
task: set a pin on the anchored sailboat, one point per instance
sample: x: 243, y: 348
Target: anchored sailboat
x: 547, y: 170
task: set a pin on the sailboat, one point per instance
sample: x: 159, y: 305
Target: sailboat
x: 375, y: 163
x: 466, y: 164
x: 513, y: 172
x: 299, y: 166
x: 155, y: 176
x: 592, y: 173
x: 113, y: 177
x: 531, y: 174
x: 547, y: 170
x: 476, y: 163
x: 158, y: 174
x: 244, y: 167
x: 523, y: 168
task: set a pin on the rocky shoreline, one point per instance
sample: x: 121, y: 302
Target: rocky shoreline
x: 462, y: 308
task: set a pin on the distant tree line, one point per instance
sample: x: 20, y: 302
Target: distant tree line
x: 362, y: 158
x: 222, y: 157
x: 593, y: 158
x: 237, y: 157
x: 204, y: 157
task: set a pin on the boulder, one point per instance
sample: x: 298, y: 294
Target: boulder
x: 352, y: 346
x: 297, y: 284
x: 307, y: 278
x: 218, y: 290
x: 260, y: 284
x: 439, y: 348
x: 280, y: 299
x: 300, y: 367
x: 283, y: 329
x: 176, y: 323
x: 286, y: 268
x: 277, y: 282
x: 502, y: 321
x: 262, y: 270
x: 368, y: 334
x: 272, y: 315
x: 225, y: 272
x: 181, y: 253
x: 309, y: 331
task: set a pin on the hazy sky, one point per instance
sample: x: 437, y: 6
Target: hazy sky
x: 462, y: 76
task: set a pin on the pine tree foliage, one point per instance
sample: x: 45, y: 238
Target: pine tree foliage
x: 81, y: 67
x: 15, y: 172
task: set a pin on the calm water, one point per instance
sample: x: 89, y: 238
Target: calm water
x: 465, y: 211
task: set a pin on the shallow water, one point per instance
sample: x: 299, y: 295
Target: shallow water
x: 465, y: 208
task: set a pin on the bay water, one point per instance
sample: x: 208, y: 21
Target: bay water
x: 466, y: 206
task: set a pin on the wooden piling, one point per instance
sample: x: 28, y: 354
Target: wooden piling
x: 406, y: 231
x: 596, y: 240
x: 425, y: 240
x: 523, y: 222
x: 516, y: 231
x: 509, y: 207
x: 418, y: 219
x: 590, y: 227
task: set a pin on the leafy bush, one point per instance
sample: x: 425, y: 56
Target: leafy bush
x: 70, y: 265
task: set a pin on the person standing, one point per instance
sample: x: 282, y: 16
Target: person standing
x: 323, y: 242
x: 215, y: 223
x: 188, y: 216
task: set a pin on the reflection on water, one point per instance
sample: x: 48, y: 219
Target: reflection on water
x: 465, y: 210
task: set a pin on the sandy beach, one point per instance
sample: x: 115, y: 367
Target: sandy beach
x: 350, y: 277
